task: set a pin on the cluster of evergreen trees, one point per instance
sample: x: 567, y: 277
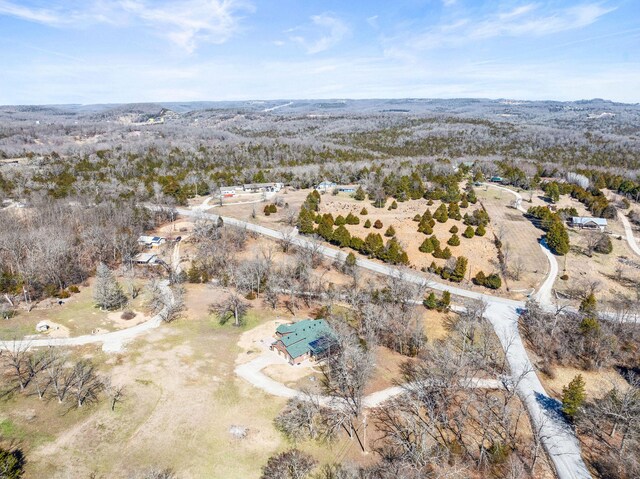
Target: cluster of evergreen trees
x: 557, y: 236
x: 492, y: 281
x: 373, y: 245
x: 454, y: 272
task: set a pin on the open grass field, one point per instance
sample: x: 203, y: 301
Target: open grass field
x: 77, y: 316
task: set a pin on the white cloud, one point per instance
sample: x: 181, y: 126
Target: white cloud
x: 333, y: 31
x: 186, y: 24
x: 189, y: 23
x: 524, y: 20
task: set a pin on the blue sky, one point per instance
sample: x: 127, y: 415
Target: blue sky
x: 107, y: 51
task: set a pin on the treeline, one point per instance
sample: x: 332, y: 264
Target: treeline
x: 557, y: 236
x: 592, y: 198
x: 54, y: 245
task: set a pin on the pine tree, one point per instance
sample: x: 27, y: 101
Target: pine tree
x: 350, y: 260
x: 373, y: 244
x: 573, y: 397
x: 430, y: 302
x: 367, y: 224
x: 359, y: 194
x: 364, y: 212
x: 390, y: 232
x: 453, y: 229
x: 325, y: 228
x: 558, y: 238
x: 340, y: 220
x: 480, y: 230
x: 341, y: 236
x: 589, y: 305
x: 426, y: 246
x: 446, y: 299
x: 469, y: 232
x: 459, y: 269
x: 393, y: 206
x: 107, y: 293
x: 441, y: 214
x: 454, y: 240
x: 454, y: 211
x: 306, y: 220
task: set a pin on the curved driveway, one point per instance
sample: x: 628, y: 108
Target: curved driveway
x: 553, y: 430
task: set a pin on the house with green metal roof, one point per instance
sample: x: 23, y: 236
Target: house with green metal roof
x: 306, y: 339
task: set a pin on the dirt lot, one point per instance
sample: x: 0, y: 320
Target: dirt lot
x: 520, y: 236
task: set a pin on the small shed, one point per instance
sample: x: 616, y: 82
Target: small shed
x: 146, y: 258
x: 589, y: 222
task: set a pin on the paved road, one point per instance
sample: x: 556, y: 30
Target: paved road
x: 555, y: 433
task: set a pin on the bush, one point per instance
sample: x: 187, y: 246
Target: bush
x: 352, y: 219
x: 251, y: 295
x: 63, y: 294
x: 564, y: 277
x: 74, y: 289
x: 357, y: 243
x: 390, y: 232
x: 364, y: 212
x: 128, y: 315
x: 493, y: 281
x: 340, y: 221
x: 426, y: 246
x: 378, y: 224
x: 480, y: 230
x: 393, y: 206
x: 367, y: 224
x: 469, y: 232
x: 454, y: 240
x: 359, y: 194
x: 453, y: 229
x: 417, y: 218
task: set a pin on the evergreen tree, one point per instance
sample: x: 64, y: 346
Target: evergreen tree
x: 589, y: 305
x: 390, y: 232
x: 364, y: 212
x: 454, y: 211
x: 460, y: 269
x: 430, y: 302
x: 373, y: 244
x: 454, y: 240
x: 306, y: 220
x: 341, y: 236
x: 469, y: 232
x: 350, y: 260
x: 352, y: 219
x: 441, y: 214
x: 573, y: 397
x: 359, y: 194
x: 453, y: 229
x: 340, y: 221
x: 480, y: 230
x: 446, y: 299
x: 378, y: 224
x: 367, y: 224
x: 553, y: 192
x: 558, y: 238
x: 325, y: 228
x: 393, y: 206
x: 426, y: 246
x: 107, y: 293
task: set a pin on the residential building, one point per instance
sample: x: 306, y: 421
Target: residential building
x: 588, y: 222
x: 150, y: 241
x: 306, y: 339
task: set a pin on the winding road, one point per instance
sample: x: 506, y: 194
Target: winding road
x: 548, y: 423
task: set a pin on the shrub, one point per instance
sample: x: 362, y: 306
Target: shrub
x: 480, y: 230
x: 417, y: 218
x: 378, y: 224
x: 357, y: 243
x: 350, y: 260
x: 128, y: 315
x: 352, y: 219
x: 251, y: 295
x: 359, y: 194
x: 426, y: 246
x: 63, y: 294
x: 493, y: 281
x: 394, y: 205
x: 390, y: 232
x: 558, y: 238
x: 364, y: 212
x: 367, y: 224
x: 74, y: 289
x: 340, y: 221
x: 564, y: 277
x: 573, y: 397
x: 469, y: 232
x: 453, y: 229
x: 441, y: 214
x: 454, y: 240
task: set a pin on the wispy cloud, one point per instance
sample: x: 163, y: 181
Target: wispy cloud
x: 332, y: 30
x: 525, y: 20
x: 186, y: 24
